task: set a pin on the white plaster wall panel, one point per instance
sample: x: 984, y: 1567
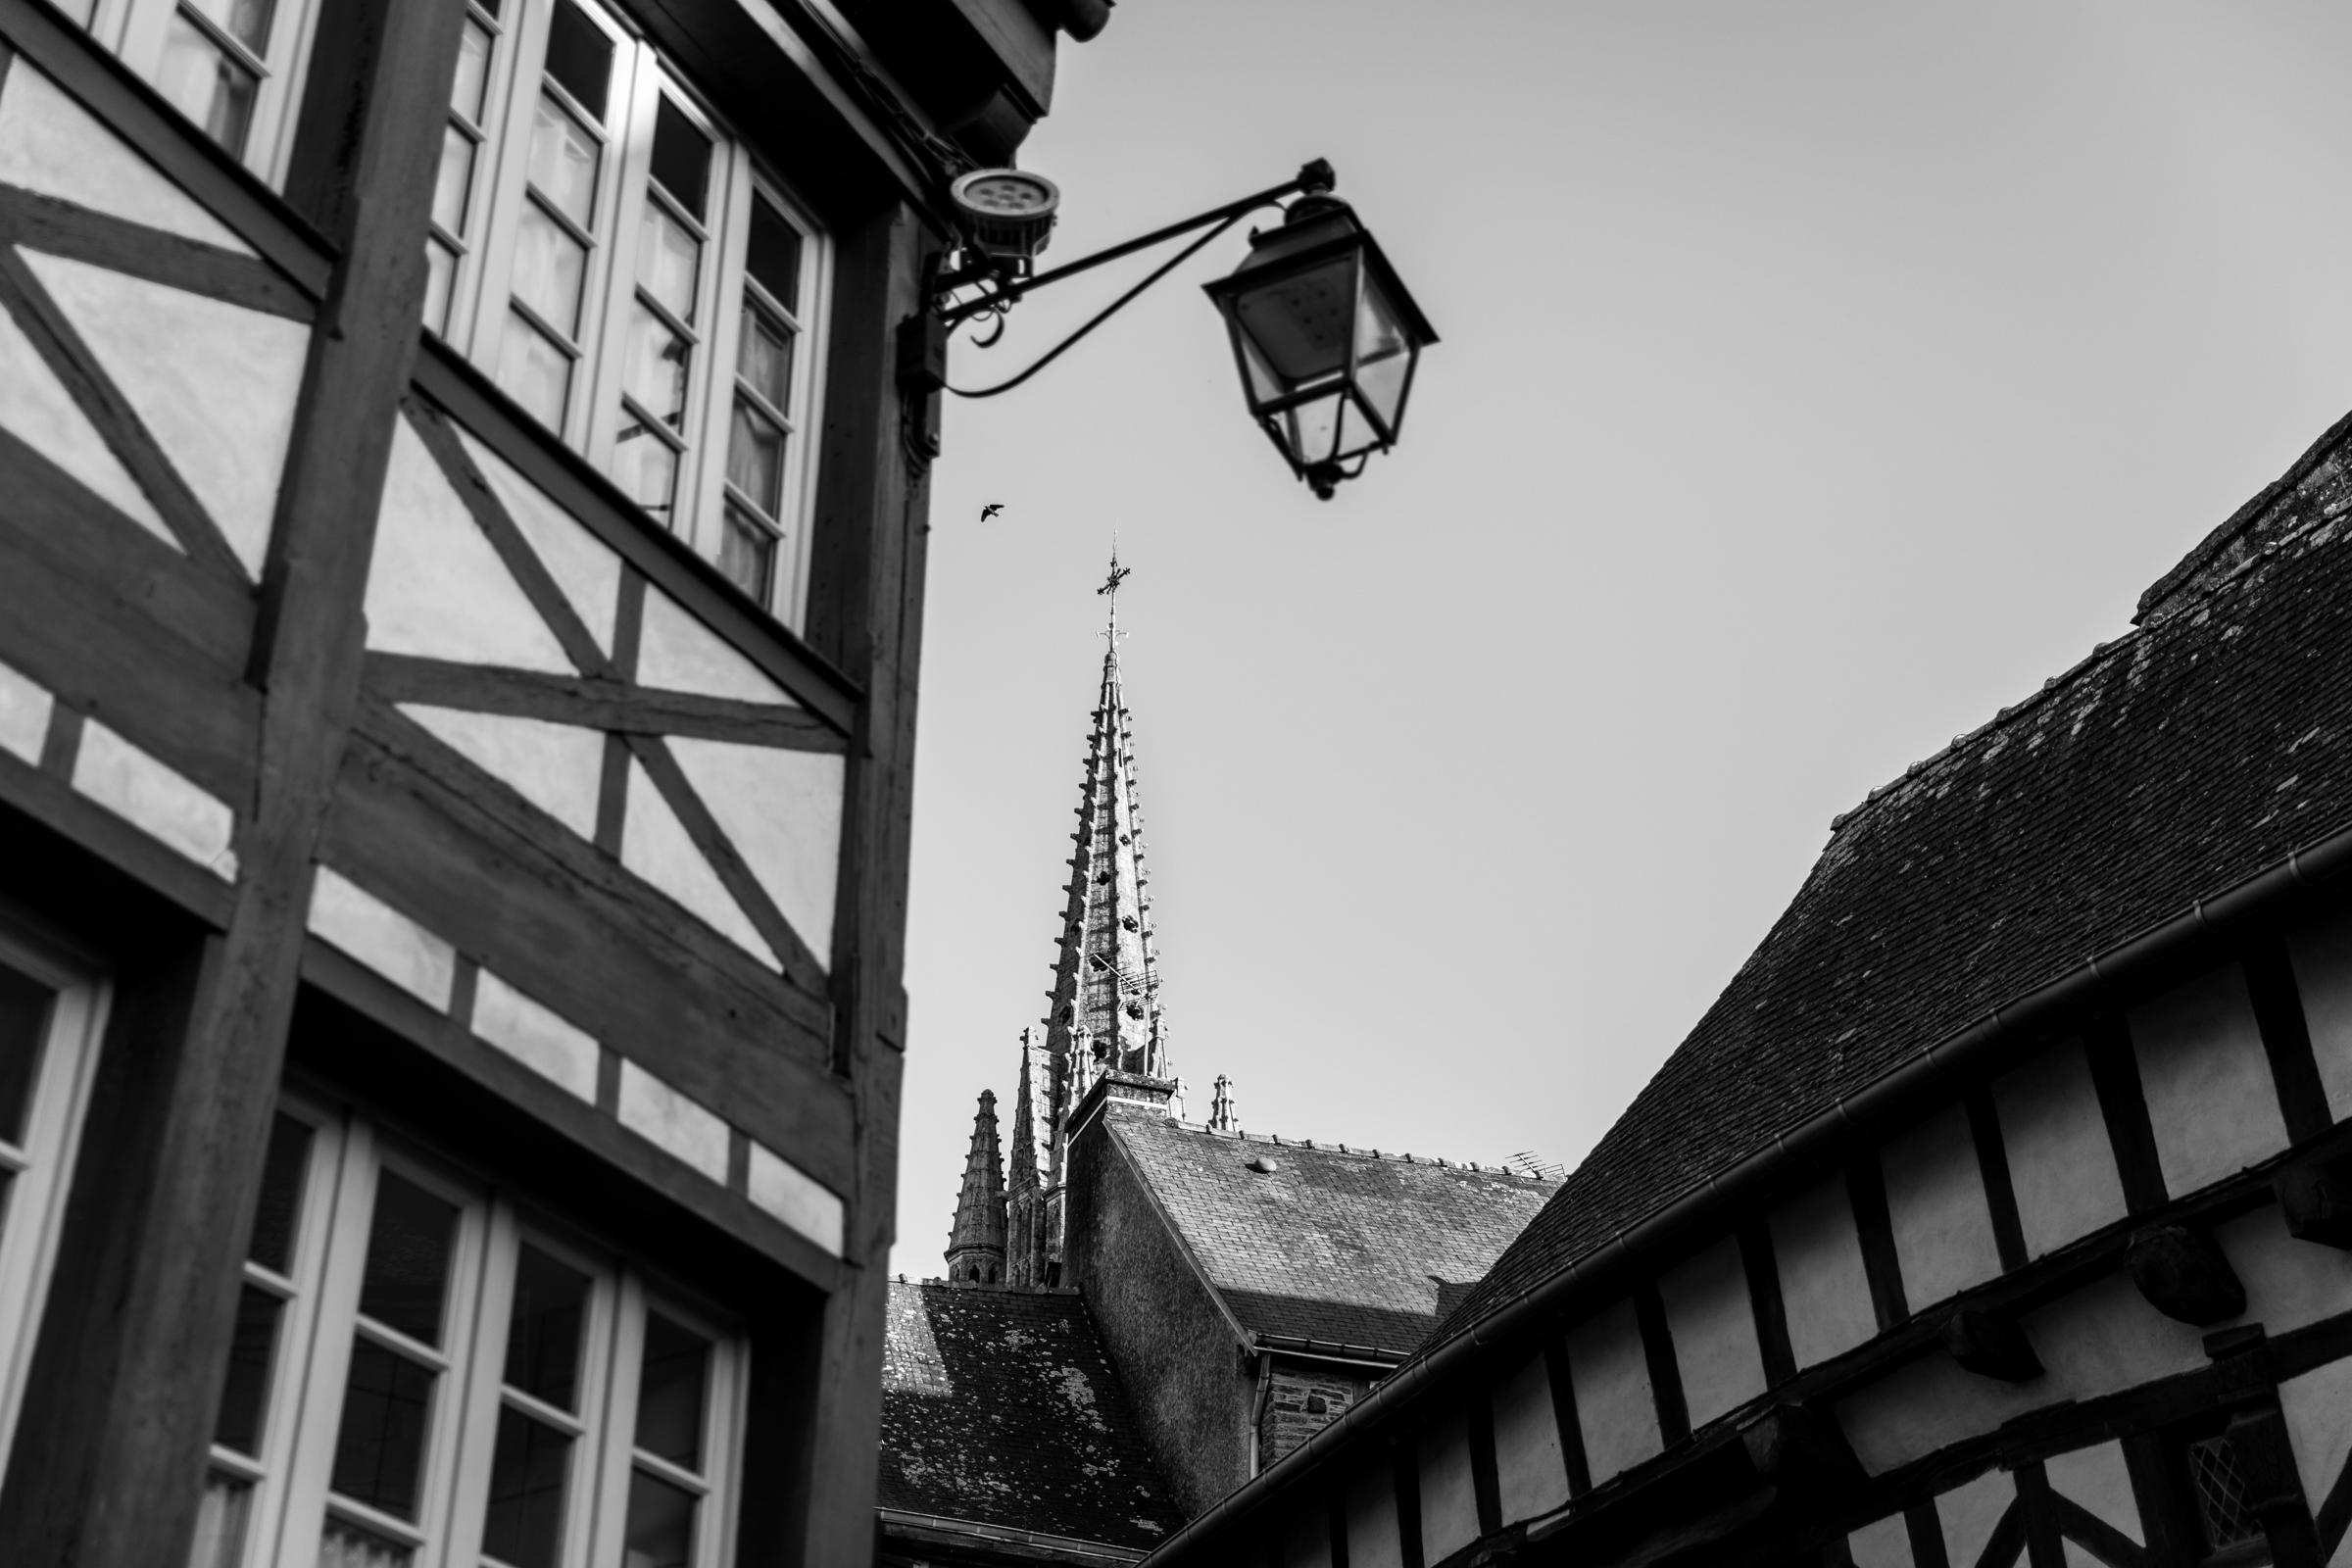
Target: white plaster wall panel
x: 2105, y: 1338
x: 2099, y: 1479
x: 348, y: 916
x: 655, y: 845
x: 2207, y: 1082
x: 584, y: 566
x: 781, y: 1187
x: 1969, y: 1513
x: 213, y: 384
x: 39, y: 412
x: 2317, y: 1407
x: 781, y: 809
x: 670, y: 1121
x: 557, y: 767
x: 1616, y: 1413
x: 2096, y: 1340
x: 1449, y: 1497
x: 1944, y: 1240
x: 1882, y: 1544
x: 435, y: 587
x: 24, y: 709
x: 2061, y: 1164
x: 551, y: 1046
x: 1713, y: 1326
x: 2321, y: 954
x: 1924, y: 1404
x: 50, y: 144
x: 2289, y: 1283
x: 1373, y: 1539
x: 1825, y: 1292
x: 678, y: 653
x: 1306, y: 1542
x: 159, y: 800
x: 1531, y: 1472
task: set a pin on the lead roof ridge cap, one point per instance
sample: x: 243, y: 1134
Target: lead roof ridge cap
x: 1395, y: 1158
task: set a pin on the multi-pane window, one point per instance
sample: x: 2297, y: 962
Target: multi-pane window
x: 559, y: 220
x: 473, y: 99
x: 760, y: 425
x: 233, y: 67
x: 636, y: 284
x: 425, y: 1375
x: 49, y: 1018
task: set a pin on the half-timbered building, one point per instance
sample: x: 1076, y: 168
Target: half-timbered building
x: 461, y: 570
x: 1996, y: 1213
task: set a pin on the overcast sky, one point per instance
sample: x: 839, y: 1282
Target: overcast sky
x: 1817, y: 378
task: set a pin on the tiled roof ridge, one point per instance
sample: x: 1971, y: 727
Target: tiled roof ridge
x: 2050, y: 688
x: 2209, y: 547
x: 2231, y: 579
x: 1392, y: 1156
x: 998, y: 1289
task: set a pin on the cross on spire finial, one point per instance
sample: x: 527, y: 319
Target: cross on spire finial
x: 1110, y: 589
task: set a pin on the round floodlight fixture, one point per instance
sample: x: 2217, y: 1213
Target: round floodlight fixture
x: 1010, y: 210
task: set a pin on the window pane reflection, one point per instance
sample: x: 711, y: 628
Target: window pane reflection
x: 205, y: 84
x: 563, y: 158
x: 408, y: 1258
x: 23, y: 1024
x: 534, y: 372
x: 543, y: 1341
x: 379, y: 1453
x: 669, y: 1396
x: 525, y: 1527
x: 661, y: 1526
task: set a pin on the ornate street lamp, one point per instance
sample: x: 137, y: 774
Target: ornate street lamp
x: 1323, y: 331
x: 1326, y: 338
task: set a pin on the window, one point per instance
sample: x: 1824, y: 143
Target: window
x: 50, y: 1017
x: 427, y: 1375
x: 233, y: 67
x: 617, y: 262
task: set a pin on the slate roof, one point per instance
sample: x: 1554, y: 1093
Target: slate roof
x: 1000, y: 1407
x: 2208, y: 743
x: 1341, y: 1245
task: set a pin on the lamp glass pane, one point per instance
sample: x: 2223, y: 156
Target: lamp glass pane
x: 1384, y: 356
x: 1302, y: 320
x: 1311, y: 430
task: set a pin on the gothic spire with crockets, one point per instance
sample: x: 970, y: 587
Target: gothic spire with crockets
x: 1107, y: 970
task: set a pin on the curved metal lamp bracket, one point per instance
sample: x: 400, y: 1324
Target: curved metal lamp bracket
x: 923, y: 338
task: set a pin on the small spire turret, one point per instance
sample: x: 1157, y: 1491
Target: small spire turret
x: 976, y: 1242
x: 1221, y: 1107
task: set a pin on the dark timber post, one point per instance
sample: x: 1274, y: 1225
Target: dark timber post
x: 120, y: 1400
x: 866, y: 613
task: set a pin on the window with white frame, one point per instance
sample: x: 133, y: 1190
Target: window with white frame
x: 233, y: 67
x: 427, y: 1374
x: 50, y: 1016
x: 620, y: 266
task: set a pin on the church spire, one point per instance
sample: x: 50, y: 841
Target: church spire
x: 976, y: 1244
x: 1107, y: 973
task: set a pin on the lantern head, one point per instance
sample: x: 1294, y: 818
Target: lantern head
x: 1326, y: 338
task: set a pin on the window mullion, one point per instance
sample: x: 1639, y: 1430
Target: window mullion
x: 477, y: 1396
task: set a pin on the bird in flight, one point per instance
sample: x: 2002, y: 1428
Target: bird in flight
x: 991, y: 509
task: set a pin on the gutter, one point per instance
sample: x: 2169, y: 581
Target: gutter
x: 2055, y: 1001
x: 969, y: 1530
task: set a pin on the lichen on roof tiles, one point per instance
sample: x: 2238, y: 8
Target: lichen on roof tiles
x: 1000, y: 1407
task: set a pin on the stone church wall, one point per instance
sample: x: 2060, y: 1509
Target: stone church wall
x: 1183, y: 1362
